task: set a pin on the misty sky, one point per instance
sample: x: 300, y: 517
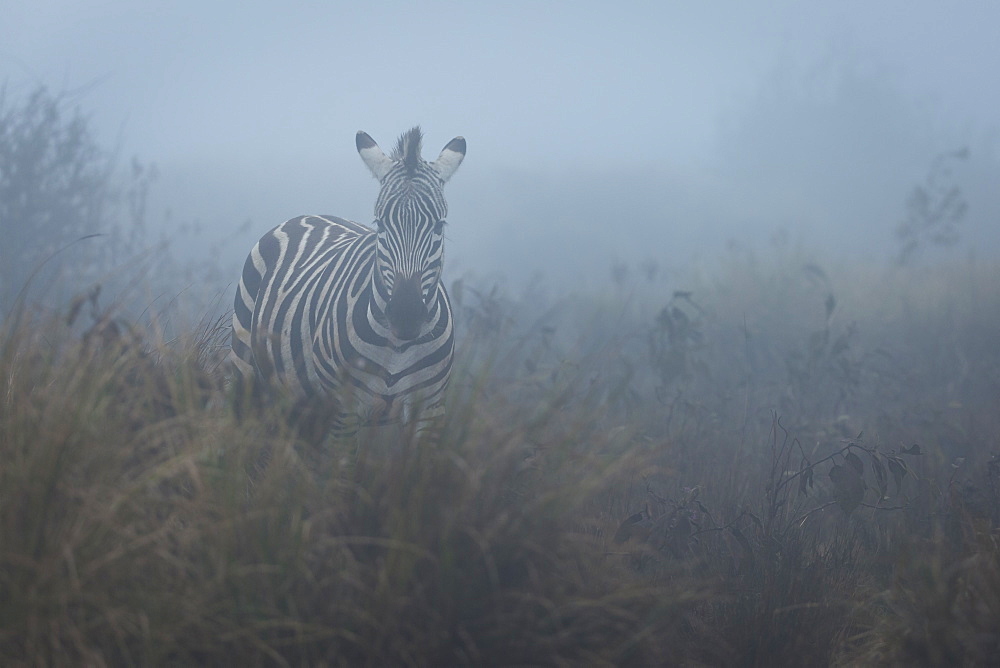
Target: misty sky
x: 659, y: 130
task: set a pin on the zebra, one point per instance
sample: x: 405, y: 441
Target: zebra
x: 350, y: 320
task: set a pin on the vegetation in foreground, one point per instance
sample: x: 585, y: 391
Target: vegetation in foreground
x: 780, y: 467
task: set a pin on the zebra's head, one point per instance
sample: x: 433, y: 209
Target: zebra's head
x: 410, y: 214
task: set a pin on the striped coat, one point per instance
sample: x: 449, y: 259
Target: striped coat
x: 351, y: 319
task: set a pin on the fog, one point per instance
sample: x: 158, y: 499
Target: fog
x: 597, y: 135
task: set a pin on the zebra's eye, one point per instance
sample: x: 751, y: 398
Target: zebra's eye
x: 439, y: 226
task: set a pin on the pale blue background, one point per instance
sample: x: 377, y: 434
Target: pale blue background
x: 644, y: 130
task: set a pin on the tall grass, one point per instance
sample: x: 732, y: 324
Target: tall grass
x: 143, y: 524
x: 722, y: 475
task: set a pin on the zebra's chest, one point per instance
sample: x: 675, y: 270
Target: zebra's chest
x: 354, y: 345
x: 383, y: 363
x: 385, y: 383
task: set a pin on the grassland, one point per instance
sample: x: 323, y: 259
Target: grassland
x: 778, y: 464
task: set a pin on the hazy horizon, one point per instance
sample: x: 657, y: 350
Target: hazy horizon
x: 595, y: 135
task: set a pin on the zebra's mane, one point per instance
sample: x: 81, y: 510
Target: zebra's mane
x: 408, y: 149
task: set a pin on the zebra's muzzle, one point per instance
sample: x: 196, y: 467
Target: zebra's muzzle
x: 406, y: 309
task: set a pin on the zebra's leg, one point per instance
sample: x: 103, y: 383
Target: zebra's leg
x: 422, y: 421
x: 244, y: 389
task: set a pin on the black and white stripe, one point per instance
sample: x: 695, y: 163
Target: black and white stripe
x: 351, y: 318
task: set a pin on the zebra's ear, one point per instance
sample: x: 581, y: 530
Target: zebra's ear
x: 378, y: 162
x: 450, y: 158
